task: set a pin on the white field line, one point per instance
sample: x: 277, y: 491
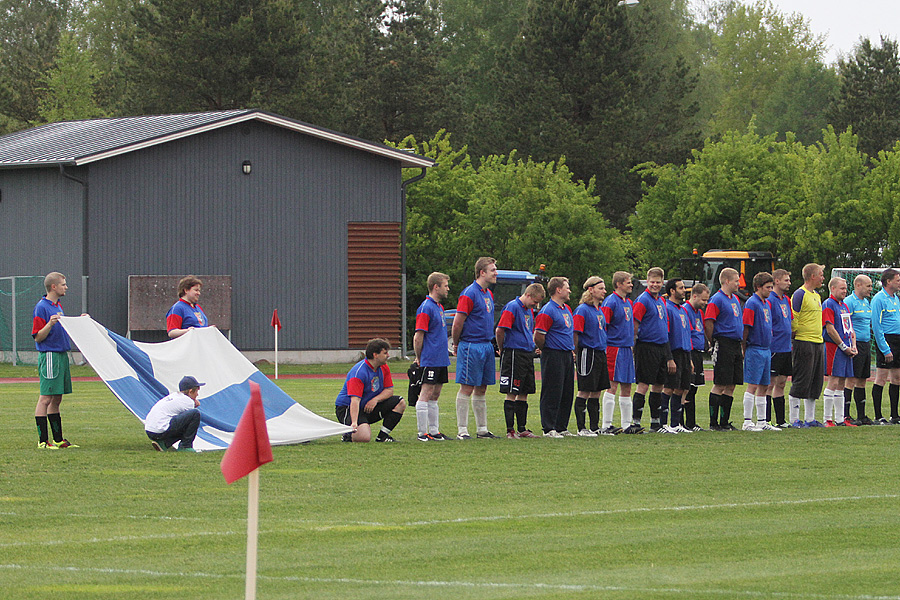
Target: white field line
x: 125, y: 538
x: 486, y: 585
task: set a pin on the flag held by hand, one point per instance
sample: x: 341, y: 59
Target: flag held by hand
x: 250, y: 448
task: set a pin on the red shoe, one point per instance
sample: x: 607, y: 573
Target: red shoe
x: 830, y: 423
x: 527, y: 434
x: 511, y: 434
x: 849, y: 423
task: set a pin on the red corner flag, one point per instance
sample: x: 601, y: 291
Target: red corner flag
x: 250, y: 448
x: 276, y: 322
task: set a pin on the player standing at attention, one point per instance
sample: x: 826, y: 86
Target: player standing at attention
x: 780, y: 306
x: 886, y: 331
x: 652, y: 355
x: 553, y: 334
x: 52, y: 344
x: 808, y: 353
x: 430, y: 347
x: 695, y: 308
x: 515, y: 340
x: 472, y: 332
x: 840, y: 348
x: 861, y: 316
x: 617, y: 309
x: 679, y: 382
x: 756, y: 344
x: 186, y: 313
x: 590, y: 356
x: 724, y: 332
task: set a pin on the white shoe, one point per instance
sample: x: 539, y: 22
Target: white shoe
x: 666, y: 429
x: 766, y: 427
x: 566, y: 433
x: 586, y: 433
x: 553, y: 434
x: 682, y: 429
x: 749, y: 426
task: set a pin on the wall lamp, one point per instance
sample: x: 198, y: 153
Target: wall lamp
x: 246, y: 167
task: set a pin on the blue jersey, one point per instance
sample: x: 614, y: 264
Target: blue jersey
x: 57, y: 340
x: 837, y: 313
x: 555, y: 321
x: 679, y: 326
x: 364, y: 382
x: 725, y: 311
x: 698, y: 338
x: 652, y: 318
x: 758, y: 316
x: 430, y: 320
x: 478, y: 306
x: 619, y: 323
x: 183, y: 314
x: 780, y: 307
x: 518, y: 322
x: 591, y: 326
x: 861, y: 315
x: 885, y: 319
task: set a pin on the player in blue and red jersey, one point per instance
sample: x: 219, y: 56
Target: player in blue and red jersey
x: 695, y: 307
x: 186, y: 313
x: 724, y: 332
x: 515, y: 340
x: 52, y: 344
x: 472, y: 332
x: 368, y: 396
x: 617, y: 308
x: 840, y: 348
x: 757, y: 344
x: 590, y: 357
x: 861, y: 314
x: 652, y: 355
x: 554, y: 335
x: 780, y: 306
x: 680, y: 327
x: 432, y: 355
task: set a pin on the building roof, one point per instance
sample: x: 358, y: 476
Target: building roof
x: 76, y: 143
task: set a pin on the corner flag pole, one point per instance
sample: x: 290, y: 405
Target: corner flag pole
x: 252, y: 531
x: 276, y: 325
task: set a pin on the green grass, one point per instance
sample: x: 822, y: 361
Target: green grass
x: 798, y: 514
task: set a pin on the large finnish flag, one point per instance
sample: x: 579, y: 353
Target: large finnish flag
x: 139, y: 374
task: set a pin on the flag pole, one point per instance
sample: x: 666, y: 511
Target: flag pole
x: 276, y: 353
x: 252, y: 532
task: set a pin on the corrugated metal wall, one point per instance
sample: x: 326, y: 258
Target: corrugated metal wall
x: 281, y: 232
x: 41, y: 227
x: 373, y: 282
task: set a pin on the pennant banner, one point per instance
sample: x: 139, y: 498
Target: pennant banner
x: 276, y: 322
x: 250, y: 448
x: 140, y: 373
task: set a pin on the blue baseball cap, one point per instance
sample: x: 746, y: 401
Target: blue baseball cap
x: 187, y: 382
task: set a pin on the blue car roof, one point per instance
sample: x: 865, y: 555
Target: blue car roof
x: 507, y: 276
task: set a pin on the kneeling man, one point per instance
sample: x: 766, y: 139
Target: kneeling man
x: 176, y: 417
x: 368, y: 396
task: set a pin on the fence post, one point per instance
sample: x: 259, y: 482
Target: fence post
x: 14, y: 321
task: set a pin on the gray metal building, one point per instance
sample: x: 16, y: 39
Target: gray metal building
x: 313, y: 229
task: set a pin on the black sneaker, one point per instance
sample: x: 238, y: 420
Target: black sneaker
x: 440, y: 437
x: 486, y: 435
x: 633, y: 429
x: 347, y: 437
x: 865, y: 421
x: 727, y: 427
x: 383, y: 437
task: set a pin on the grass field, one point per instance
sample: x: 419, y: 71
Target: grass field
x: 797, y: 514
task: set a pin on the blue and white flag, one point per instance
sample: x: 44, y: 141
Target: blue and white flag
x: 140, y: 373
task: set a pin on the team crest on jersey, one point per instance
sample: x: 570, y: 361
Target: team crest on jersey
x: 566, y: 319
x: 766, y: 315
x: 600, y: 320
x: 736, y: 310
x: 683, y: 321
x: 784, y: 311
x: 659, y: 309
x: 488, y: 305
x: 528, y: 322
x: 374, y: 387
x: 627, y: 310
x: 199, y: 316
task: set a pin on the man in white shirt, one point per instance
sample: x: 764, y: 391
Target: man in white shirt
x: 176, y: 417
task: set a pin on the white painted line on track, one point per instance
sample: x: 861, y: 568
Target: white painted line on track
x: 487, y: 585
x: 125, y: 538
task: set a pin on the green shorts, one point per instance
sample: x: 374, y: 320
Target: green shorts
x: 53, y: 368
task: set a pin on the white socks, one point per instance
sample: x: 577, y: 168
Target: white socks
x: 434, y: 417
x: 626, y: 407
x: 462, y: 414
x: 794, y: 408
x: 609, y: 407
x: 422, y: 417
x: 748, y: 406
x: 828, y: 401
x: 479, y: 406
x: 761, y: 410
x: 809, y: 410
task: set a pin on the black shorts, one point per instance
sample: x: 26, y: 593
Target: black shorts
x: 381, y: 409
x: 862, y: 362
x: 809, y: 369
x: 728, y: 362
x: 699, y: 377
x: 650, y: 363
x: 893, y: 341
x: 433, y: 376
x: 591, y: 370
x: 681, y: 378
x: 517, y: 372
x: 781, y: 364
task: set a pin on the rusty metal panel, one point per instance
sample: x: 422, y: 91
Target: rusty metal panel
x: 373, y: 282
x: 151, y: 296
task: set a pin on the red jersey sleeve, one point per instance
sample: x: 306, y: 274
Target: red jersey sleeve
x: 607, y: 313
x: 639, y: 310
x: 749, y: 317
x: 506, y: 320
x: 712, y: 312
x: 355, y: 387
x: 578, y: 322
x: 423, y: 320
x: 386, y: 375
x: 37, y: 325
x: 173, y: 322
x: 827, y: 316
x: 543, y: 322
x: 464, y: 305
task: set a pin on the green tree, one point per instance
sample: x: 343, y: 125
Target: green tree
x: 882, y: 188
x: 71, y: 85
x: 869, y: 96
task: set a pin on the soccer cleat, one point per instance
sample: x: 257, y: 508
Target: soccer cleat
x: 384, y: 437
x: 850, y: 423
x: 47, y: 446
x: 829, y: 423
x: 682, y: 429
x: 633, y: 429
x: 666, y: 429
x: 895, y: 420
x: 882, y: 421
x: 439, y: 437
x: 784, y: 425
x: 191, y: 449
x: 611, y: 430
x: 749, y: 426
x: 424, y: 437
x: 463, y: 436
x: 157, y: 446
x: 727, y: 427
x: 814, y: 423
x: 586, y: 433
x: 864, y: 420
x: 347, y: 437
x: 486, y: 435
x: 798, y: 424
x: 566, y: 433
x: 64, y: 443
x: 511, y: 434
x: 764, y: 426
x: 654, y: 427
x: 553, y: 434
x: 697, y: 428
x: 527, y: 433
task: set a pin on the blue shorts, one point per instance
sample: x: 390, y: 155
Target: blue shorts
x: 475, y: 364
x: 620, y: 362
x: 837, y: 364
x: 757, y: 365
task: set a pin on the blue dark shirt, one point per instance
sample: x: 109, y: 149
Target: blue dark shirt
x: 679, y: 326
x: 698, y: 338
x: 653, y: 319
x: 57, y: 340
x: 518, y: 322
x: 619, y: 323
x: 555, y: 322
x: 782, y: 314
x: 725, y: 311
x: 478, y: 306
x: 838, y: 314
x: 365, y: 383
x: 591, y: 326
x: 758, y: 316
x: 430, y: 320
